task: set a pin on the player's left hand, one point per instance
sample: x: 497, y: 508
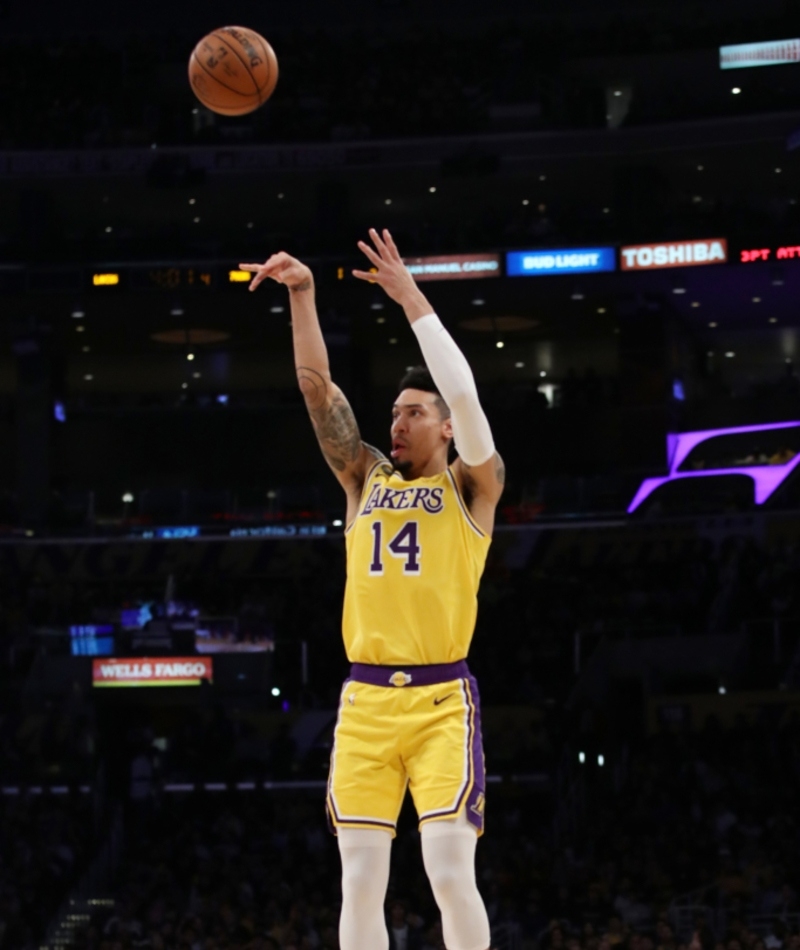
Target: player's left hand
x: 390, y: 271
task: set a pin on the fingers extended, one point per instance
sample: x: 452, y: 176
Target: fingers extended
x: 389, y: 240
x: 372, y: 255
x: 378, y: 242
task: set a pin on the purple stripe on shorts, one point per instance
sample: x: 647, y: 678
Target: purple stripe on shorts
x: 475, y: 803
x: 476, y: 800
x: 398, y: 676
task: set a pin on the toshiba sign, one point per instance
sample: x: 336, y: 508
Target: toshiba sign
x: 166, y: 671
x: 677, y: 254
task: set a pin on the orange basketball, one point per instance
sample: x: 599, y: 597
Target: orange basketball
x: 233, y: 70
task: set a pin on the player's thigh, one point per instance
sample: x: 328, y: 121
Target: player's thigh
x: 367, y: 781
x: 445, y: 760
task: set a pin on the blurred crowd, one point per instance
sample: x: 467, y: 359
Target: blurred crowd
x: 705, y: 816
x: 609, y: 827
x: 45, y: 843
x: 545, y: 594
x: 539, y: 589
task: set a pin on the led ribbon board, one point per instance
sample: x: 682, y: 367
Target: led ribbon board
x: 765, y: 477
x: 454, y: 266
x: 789, y: 252
x: 571, y: 260
x: 747, y: 55
x: 674, y: 254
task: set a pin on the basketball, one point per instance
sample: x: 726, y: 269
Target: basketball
x: 233, y: 70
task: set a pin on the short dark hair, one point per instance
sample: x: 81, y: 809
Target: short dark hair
x: 419, y: 377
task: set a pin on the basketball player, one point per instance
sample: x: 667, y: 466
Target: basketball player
x: 417, y: 536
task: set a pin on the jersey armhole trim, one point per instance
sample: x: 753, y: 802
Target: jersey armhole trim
x: 367, y: 478
x: 465, y: 511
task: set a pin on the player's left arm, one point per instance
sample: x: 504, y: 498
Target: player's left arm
x: 481, y: 485
x: 479, y: 470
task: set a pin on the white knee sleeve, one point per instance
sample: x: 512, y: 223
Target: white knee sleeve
x: 365, y: 876
x: 448, y: 852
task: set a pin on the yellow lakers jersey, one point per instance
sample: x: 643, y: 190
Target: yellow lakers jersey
x: 414, y: 563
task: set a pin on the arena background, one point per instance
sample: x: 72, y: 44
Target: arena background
x: 165, y: 514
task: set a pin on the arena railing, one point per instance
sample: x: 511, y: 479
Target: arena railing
x: 686, y: 910
x: 706, y: 905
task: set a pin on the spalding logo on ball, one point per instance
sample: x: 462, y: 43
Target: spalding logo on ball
x: 233, y: 70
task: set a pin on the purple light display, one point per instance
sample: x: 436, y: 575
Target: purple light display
x: 765, y: 477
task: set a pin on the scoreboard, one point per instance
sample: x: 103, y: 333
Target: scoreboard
x: 114, y: 277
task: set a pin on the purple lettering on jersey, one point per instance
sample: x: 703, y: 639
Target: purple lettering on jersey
x: 388, y: 500
x: 434, y: 503
x: 404, y: 501
x: 420, y: 496
x: 373, y: 500
x: 429, y: 499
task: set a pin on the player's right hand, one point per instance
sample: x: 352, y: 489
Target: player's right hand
x: 284, y: 269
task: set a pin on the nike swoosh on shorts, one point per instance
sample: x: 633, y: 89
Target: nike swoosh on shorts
x: 437, y: 701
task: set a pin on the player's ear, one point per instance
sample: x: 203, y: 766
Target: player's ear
x: 447, y: 428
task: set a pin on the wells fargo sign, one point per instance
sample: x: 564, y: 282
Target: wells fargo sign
x: 164, y: 671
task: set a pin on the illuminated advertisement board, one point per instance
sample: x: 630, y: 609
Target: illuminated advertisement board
x: 748, y: 55
x: 163, y: 671
x: 766, y: 477
x: 571, y: 260
x: 454, y: 266
x: 789, y: 252
x: 674, y: 254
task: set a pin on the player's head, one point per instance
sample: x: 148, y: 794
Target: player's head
x: 421, y: 425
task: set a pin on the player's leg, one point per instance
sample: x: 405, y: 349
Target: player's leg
x: 448, y: 853
x: 444, y: 760
x: 366, y: 787
x: 365, y: 857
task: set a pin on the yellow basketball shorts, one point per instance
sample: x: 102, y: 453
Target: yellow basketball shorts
x: 416, y: 728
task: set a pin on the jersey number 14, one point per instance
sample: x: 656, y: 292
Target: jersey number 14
x: 403, y: 545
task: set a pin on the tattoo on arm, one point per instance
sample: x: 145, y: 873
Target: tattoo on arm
x: 303, y: 285
x: 334, y: 422
x: 499, y: 469
x: 375, y: 453
x: 313, y: 387
x: 337, y: 432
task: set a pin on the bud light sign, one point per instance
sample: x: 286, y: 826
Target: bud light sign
x: 573, y: 260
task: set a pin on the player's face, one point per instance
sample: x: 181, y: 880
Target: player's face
x: 418, y: 430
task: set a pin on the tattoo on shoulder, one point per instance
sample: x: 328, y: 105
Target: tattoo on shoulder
x: 337, y: 432
x: 499, y: 471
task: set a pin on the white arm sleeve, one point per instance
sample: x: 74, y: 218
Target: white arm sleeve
x: 450, y: 371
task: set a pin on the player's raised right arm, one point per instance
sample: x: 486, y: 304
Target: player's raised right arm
x: 331, y: 415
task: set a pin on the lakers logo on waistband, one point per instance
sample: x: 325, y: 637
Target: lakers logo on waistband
x: 400, y: 678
